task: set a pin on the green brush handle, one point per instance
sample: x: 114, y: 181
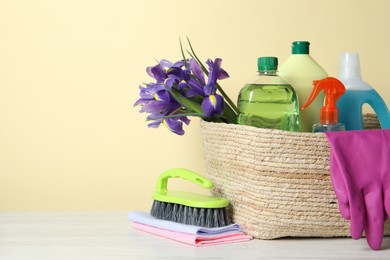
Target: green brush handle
x: 162, y: 194
x: 182, y: 173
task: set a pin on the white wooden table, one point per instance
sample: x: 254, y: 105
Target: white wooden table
x: 108, y: 235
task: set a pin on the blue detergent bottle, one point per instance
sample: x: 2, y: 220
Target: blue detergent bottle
x: 357, y: 94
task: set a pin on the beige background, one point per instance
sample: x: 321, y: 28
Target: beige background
x: 70, y: 70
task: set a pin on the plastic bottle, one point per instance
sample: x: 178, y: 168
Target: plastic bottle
x: 268, y: 101
x: 358, y: 93
x: 299, y: 70
x: 333, y: 89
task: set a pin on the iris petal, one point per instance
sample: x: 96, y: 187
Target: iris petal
x: 155, y: 106
x: 174, y: 125
x: 141, y: 101
x: 219, y: 106
x: 192, y: 92
x: 213, y: 101
x: 194, y: 84
x: 155, y: 123
x: 182, y: 85
x: 175, y: 73
x: 210, y: 89
x: 185, y: 120
x: 147, y: 93
x: 166, y: 63
x: 223, y: 74
x: 158, y: 73
x: 213, y: 104
x: 179, y: 64
x: 163, y: 95
x: 213, y: 71
x: 197, y: 70
x: 149, y: 71
x: 207, y: 107
x: 187, y: 75
x: 169, y: 82
x: 154, y: 116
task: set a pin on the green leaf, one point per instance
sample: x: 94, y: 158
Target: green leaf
x: 182, y: 53
x: 230, y: 114
x: 228, y: 100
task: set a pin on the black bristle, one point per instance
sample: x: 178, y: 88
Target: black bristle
x: 168, y: 211
x: 189, y: 215
x: 175, y: 212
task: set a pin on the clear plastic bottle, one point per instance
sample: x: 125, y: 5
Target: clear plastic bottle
x: 268, y: 101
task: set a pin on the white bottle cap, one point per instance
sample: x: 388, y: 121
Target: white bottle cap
x: 349, y: 66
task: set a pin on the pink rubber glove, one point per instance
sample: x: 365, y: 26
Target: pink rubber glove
x: 360, y: 174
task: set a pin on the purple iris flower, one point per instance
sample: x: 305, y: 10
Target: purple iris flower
x: 176, y: 75
x: 188, y: 80
x: 157, y: 101
x: 213, y: 103
x: 157, y: 72
x: 195, y: 81
x: 168, y: 73
x: 152, y: 92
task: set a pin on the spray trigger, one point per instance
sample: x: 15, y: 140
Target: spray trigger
x: 333, y: 89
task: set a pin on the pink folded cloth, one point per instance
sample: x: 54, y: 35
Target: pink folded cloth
x: 195, y: 240
x: 188, y: 234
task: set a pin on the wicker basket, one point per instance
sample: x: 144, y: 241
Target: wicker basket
x: 277, y: 182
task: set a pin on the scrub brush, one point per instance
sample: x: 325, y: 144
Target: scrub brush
x: 185, y: 207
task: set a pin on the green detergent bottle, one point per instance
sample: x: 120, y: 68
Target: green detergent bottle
x: 268, y: 101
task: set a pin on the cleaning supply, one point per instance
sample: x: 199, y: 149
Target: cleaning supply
x: 299, y: 70
x: 360, y: 175
x: 188, y: 234
x: 333, y: 89
x: 185, y: 207
x: 358, y: 93
x: 268, y: 101
x: 147, y: 219
x: 194, y: 240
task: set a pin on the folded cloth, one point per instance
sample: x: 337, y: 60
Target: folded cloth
x: 360, y: 175
x: 195, y: 240
x: 147, y: 219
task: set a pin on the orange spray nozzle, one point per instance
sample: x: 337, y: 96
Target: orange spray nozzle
x: 333, y: 89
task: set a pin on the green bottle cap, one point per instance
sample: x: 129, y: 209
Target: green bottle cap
x: 300, y: 47
x: 267, y: 63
